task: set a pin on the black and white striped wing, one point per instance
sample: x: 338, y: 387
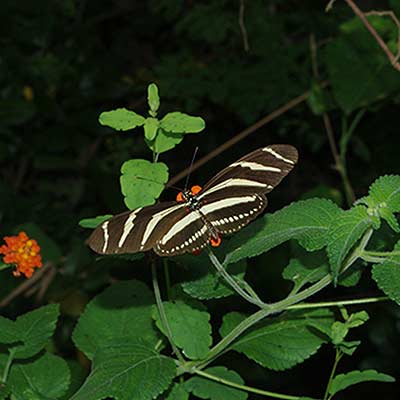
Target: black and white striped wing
x: 257, y: 172
x: 233, y: 213
x: 136, y: 230
x: 189, y: 234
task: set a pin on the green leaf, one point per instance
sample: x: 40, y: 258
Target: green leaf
x: 116, y: 313
x: 282, y: 342
x: 142, y: 182
x: 340, y: 329
x: 47, y: 377
x: 153, y: 99
x: 92, y: 223
x: 49, y: 249
x: 151, y: 128
x: 384, y: 199
x: 31, y: 331
x: 127, y: 370
x: 202, y: 281
x: 164, y: 141
x: 190, y: 328
x: 348, y: 347
x: 319, y: 100
x: 121, y: 119
x: 352, y: 276
x: 370, y: 70
x: 344, y: 233
x: 387, y: 275
x: 177, y: 122
x: 204, y: 388
x: 307, y: 221
x: 300, y: 274
x: 178, y: 392
x: 343, y: 381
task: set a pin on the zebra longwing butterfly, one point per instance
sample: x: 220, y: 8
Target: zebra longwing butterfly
x: 199, y: 216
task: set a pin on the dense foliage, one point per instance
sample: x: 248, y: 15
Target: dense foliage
x: 81, y: 122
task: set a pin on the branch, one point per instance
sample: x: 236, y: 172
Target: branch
x: 241, y: 135
x: 393, y: 59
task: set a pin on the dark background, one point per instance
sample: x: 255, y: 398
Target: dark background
x: 64, y: 62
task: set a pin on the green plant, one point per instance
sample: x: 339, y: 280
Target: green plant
x: 128, y: 331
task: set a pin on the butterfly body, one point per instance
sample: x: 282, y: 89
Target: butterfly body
x: 200, y: 216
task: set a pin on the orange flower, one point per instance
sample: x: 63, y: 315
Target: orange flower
x: 23, y: 252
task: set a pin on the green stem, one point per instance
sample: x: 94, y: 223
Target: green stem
x: 280, y: 306
x: 385, y: 254
x: 338, y: 356
x: 163, y: 316
x: 244, y: 387
x: 370, y: 259
x: 338, y: 303
x: 222, y: 271
x: 8, y: 365
x: 167, y: 278
x: 259, y: 315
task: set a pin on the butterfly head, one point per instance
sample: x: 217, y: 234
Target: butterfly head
x: 188, y: 195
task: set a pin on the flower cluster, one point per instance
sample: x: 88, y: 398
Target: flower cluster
x: 23, y: 252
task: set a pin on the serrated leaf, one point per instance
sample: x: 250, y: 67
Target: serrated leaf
x: 384, y: 199
x: 127, y: 370
x: 49, y: 249
x: 387, y: 275
x: 92, y: 223
x: 153, y: 99
x: 164, y: 141
x: 151, y: 128
x: 121, y: 119
x: 344, y: 232
x: 300, y: 274
x: 178, y: 392
x: 201, y: 280
x: 47, y: 377
x: 340, y: 329
x: 343, y: 381
x: 142, y: 182
x: 204, y: 388
x: 177, y: 122
x: 190, y: 328
x: 34, y: 329
x: 116, y: 313
x: 282, y: 342
x: 306, y: 221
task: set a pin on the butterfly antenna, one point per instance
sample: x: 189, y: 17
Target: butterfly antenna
x: 190, y: 167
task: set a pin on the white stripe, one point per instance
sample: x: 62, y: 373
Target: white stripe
x: 277, y: 155
x: 255, y: 166
x: 128, y: 226
x: 104, y: 226
x: 155, y: 219
x: 234, y: 182
x: 230, y: 201
x: 180, y: 226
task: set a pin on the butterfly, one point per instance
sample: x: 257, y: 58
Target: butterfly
x: 199, y: 216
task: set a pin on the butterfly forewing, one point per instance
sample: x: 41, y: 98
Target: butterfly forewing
x: 257, y: 172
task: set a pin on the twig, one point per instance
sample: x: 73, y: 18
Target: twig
x: 393, y: 59
x: 243, y: 27
x: 241, y: 135
x: 24, y: 286
x: 339, y: 163
x: 391, y: 15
